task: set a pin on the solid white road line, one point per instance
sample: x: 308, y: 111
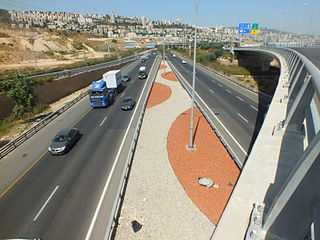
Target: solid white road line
x: 45, y: 204
x: 211, y: 91
x: 254, y: 108
x: 214, y: 115
x: 103, y: 121
x: 242, y: 117
x: 240, y: 98
x: 94, y: 219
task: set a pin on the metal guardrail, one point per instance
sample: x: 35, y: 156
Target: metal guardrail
x: 77, y: 70
x: 286, y: 45
x: 302, y: 124
x: 6, y: 149
x: 120, y: 193
x: 204, y: 110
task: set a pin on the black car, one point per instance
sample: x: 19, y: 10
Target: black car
x: 125, y: 78
x: 64, y: 141
x: 127, y: 103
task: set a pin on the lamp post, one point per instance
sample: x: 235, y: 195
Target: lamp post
x: 281, y: 26
x: 311, y: 19
x: 191, y: 143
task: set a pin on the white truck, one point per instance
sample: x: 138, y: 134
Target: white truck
x: 113, y: 80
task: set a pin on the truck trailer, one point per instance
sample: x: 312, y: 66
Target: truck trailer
x: 113, y: 80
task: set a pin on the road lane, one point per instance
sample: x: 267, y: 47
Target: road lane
x: 239, y: 111
x: 79, y: 174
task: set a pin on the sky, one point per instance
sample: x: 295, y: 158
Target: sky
x: 285, y: 15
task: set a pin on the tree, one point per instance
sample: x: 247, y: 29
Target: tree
x: 20, y: 91
x: 5, y: 16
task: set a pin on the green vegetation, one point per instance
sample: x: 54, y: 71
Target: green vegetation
x: 5, y: 16
x: 20, y: 91
x: 10, y: 122
x: 65, y: 52
x: 207, y: 46
x: 7, y: 124
x: 49, y: 53
x: 207, y: 55
x: 78, y: 45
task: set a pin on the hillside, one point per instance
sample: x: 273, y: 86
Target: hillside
x: 30, y: 49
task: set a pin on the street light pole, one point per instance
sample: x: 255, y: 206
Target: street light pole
x: 281, y: 26
x: 311, y: 19
x: 191, y: 143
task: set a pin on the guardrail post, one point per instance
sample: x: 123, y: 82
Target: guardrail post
x: 297, y: 110
x: 294, y: 61
x: 296, y: 84
x: 290, y: 214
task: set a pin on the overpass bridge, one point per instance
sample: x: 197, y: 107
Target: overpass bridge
x: 278, y: 193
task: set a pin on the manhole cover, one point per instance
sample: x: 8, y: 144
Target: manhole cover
x: 206, y: 182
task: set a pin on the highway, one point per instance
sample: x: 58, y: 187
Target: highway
x: 56, y: 197
x: 240, y: 111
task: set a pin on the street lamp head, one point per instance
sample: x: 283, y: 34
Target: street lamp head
x: 305, y: 4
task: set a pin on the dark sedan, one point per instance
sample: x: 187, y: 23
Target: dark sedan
x: 64, y: 141
x: 125, y: 78
x: 127, y: 103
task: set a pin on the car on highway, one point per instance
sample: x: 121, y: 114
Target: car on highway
x: 184, y: 61
x: 64, y: 141
x: 127, y: 103
x: 174, y: 55
x: 125, y: 78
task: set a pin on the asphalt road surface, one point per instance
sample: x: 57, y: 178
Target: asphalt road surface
x: 55, y: 197
x: 240, y: 110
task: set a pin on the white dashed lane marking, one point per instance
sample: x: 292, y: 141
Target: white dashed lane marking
x: 242, y: 117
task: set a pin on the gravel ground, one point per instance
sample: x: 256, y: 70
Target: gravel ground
x: 156, y: 205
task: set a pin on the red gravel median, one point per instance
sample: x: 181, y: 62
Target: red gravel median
x: 210, y: 159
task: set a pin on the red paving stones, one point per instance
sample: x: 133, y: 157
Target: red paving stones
x: 159, y: 93
x: 162, y: 66
x: 210, y: 159
x: 169, y: 76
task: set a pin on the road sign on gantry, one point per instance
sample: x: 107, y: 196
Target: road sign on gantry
x: 244, y: 28
x: 255, y: 26
x: 254, y: 31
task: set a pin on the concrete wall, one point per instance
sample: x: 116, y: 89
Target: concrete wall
x: 254, y: 60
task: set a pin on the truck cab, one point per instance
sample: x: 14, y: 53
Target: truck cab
x: 100, y: 95
x: 142, y: 73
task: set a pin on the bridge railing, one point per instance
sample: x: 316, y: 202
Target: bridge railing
x: 283, y: 195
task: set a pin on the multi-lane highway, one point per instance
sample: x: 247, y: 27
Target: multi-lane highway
x: 57, y: 197
x: 239, y: 110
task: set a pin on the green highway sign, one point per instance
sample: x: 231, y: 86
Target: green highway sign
x: 254, y: 26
